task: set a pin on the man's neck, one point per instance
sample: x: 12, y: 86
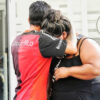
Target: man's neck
x: 35, y: 28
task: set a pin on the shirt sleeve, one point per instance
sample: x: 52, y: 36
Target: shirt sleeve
x: 51, y: 46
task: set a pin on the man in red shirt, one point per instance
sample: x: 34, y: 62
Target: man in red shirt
x: 32, y: 53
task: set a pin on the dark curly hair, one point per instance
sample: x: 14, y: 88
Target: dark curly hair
x: 54, y: 24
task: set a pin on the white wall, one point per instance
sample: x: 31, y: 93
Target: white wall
x: 93, y: 14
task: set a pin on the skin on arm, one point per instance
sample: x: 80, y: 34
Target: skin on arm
x: 71, y: 44
x: 90, y: 57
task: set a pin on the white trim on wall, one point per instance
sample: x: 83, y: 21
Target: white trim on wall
x: 11, y: 36
x: 84, y: 17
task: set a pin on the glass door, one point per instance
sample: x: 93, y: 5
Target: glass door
x: 3, y: 53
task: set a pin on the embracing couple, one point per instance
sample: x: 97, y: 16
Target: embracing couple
x: 70, y: 60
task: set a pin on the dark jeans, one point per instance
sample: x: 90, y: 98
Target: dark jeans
x: 82, y: 94
x: 96, y: 91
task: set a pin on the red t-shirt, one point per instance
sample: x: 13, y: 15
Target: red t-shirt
x: 32, y: 54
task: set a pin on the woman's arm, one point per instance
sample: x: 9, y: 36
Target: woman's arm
x: 71, y: 44
x: 90, y: 57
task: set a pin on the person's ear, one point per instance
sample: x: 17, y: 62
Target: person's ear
x: 64, y: 34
